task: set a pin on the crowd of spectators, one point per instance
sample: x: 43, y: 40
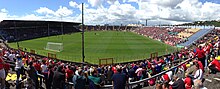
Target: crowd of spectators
x: 106, y: 27
x: 56, y: 73
x: 166, y: 35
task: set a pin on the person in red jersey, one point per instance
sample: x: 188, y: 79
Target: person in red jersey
x: 207, y: 49
x: 214, y: 66
x: 200, y: 64
x: 200, y: 53
x: 188, y: 82
x: 69, y: 73
x: 37, y: 66
x: 2, y: 74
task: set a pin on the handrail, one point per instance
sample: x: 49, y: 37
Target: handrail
x: 154, y: 76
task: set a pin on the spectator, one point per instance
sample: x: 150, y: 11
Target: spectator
x: 30, y: 84
x: 32, y: 73
x: 109, y: 75
x: 188, y: 81
x: 50, y: 77
x: 12, y: 57
x: 199, y: 63
x: 139, y: 72
x: 2, y: 74
x: 131, y: 74
x: 69, y: 73
x: 165, y: 85
x: 94, y: 80
x: 214, y: 66
x: 178, y: 83
x: 37, y: 66
x: 119, y: 79
x: 207, y: 49
x: 19, y: 69
x: 58, y: 78
x: 200, y: 55
x: 79, y: 81
x: 198, y: 76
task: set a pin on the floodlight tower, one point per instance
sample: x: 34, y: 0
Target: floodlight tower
x: 61, y: 25
x: 83, y: 49
x: 16, y: 34
x: 146, y: 22
x: 48, y: 29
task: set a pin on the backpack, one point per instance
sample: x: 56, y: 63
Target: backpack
x: 92, y: 85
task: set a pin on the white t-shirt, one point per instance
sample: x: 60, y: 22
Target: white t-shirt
x: 18, y: 64
x: 11, y: 57
x: 44, y: 68
x: 198, y: 74
x: 170, y: 73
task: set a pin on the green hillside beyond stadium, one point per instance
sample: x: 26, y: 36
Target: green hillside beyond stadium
x: 122, y: 46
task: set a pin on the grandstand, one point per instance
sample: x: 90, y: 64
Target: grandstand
x: 18, y: 30
x: 163, y: 34
x: 108, y: 28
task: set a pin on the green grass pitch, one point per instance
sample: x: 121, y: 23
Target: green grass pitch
x: 122, y: 46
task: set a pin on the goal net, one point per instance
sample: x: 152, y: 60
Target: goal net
x: 106, y: 61
x: 52, y: 46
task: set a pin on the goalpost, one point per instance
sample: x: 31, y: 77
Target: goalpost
x: 106, y: 61
x: 52, y: 46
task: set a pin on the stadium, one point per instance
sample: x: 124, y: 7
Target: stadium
x: 43, y: 54
x: 117, y: 42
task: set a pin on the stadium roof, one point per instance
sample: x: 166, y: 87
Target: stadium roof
x: 27, y: 23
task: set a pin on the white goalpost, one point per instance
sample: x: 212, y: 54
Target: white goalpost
x: 52, y: 46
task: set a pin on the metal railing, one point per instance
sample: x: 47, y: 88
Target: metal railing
x: 136, y: 83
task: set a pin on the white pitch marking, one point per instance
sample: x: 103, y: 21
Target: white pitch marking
x: 217, y: 79
x: 208, y: 80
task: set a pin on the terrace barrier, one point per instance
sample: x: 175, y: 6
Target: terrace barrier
x: 136, y: 83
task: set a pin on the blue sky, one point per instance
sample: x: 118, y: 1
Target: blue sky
x: 112, y: 11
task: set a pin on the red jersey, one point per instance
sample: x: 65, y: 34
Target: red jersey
x: 188, y: 83
x: 166, y: 77
x: 184, y: 67
x: 37, y: 66
x: 200, y: 53
x: 200, y: 65
x: 1, y: 64
x: 216, y: 64
x: 161, y: 61
x: 149, y: 65
x: 7, y: 66
x: 114, y: 69
x: 69, y: 73
x: 207, y: 49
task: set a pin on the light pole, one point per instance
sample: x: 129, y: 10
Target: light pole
x: 16, y: 34
x: 48, y: 28
x: 61, y: 26
x: 83, y: 54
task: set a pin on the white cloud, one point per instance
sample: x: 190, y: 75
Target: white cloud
x: 44, y: 10
x: 165, y: 11
x: 116, y: 14
x: 176, y: 10
x: 62, y: 11
x: 4, y: 10
x: 3, y: 14
x: 166, y: 3
x: 111, y: 1
x: 95, y: 3
x: 73, y: 4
